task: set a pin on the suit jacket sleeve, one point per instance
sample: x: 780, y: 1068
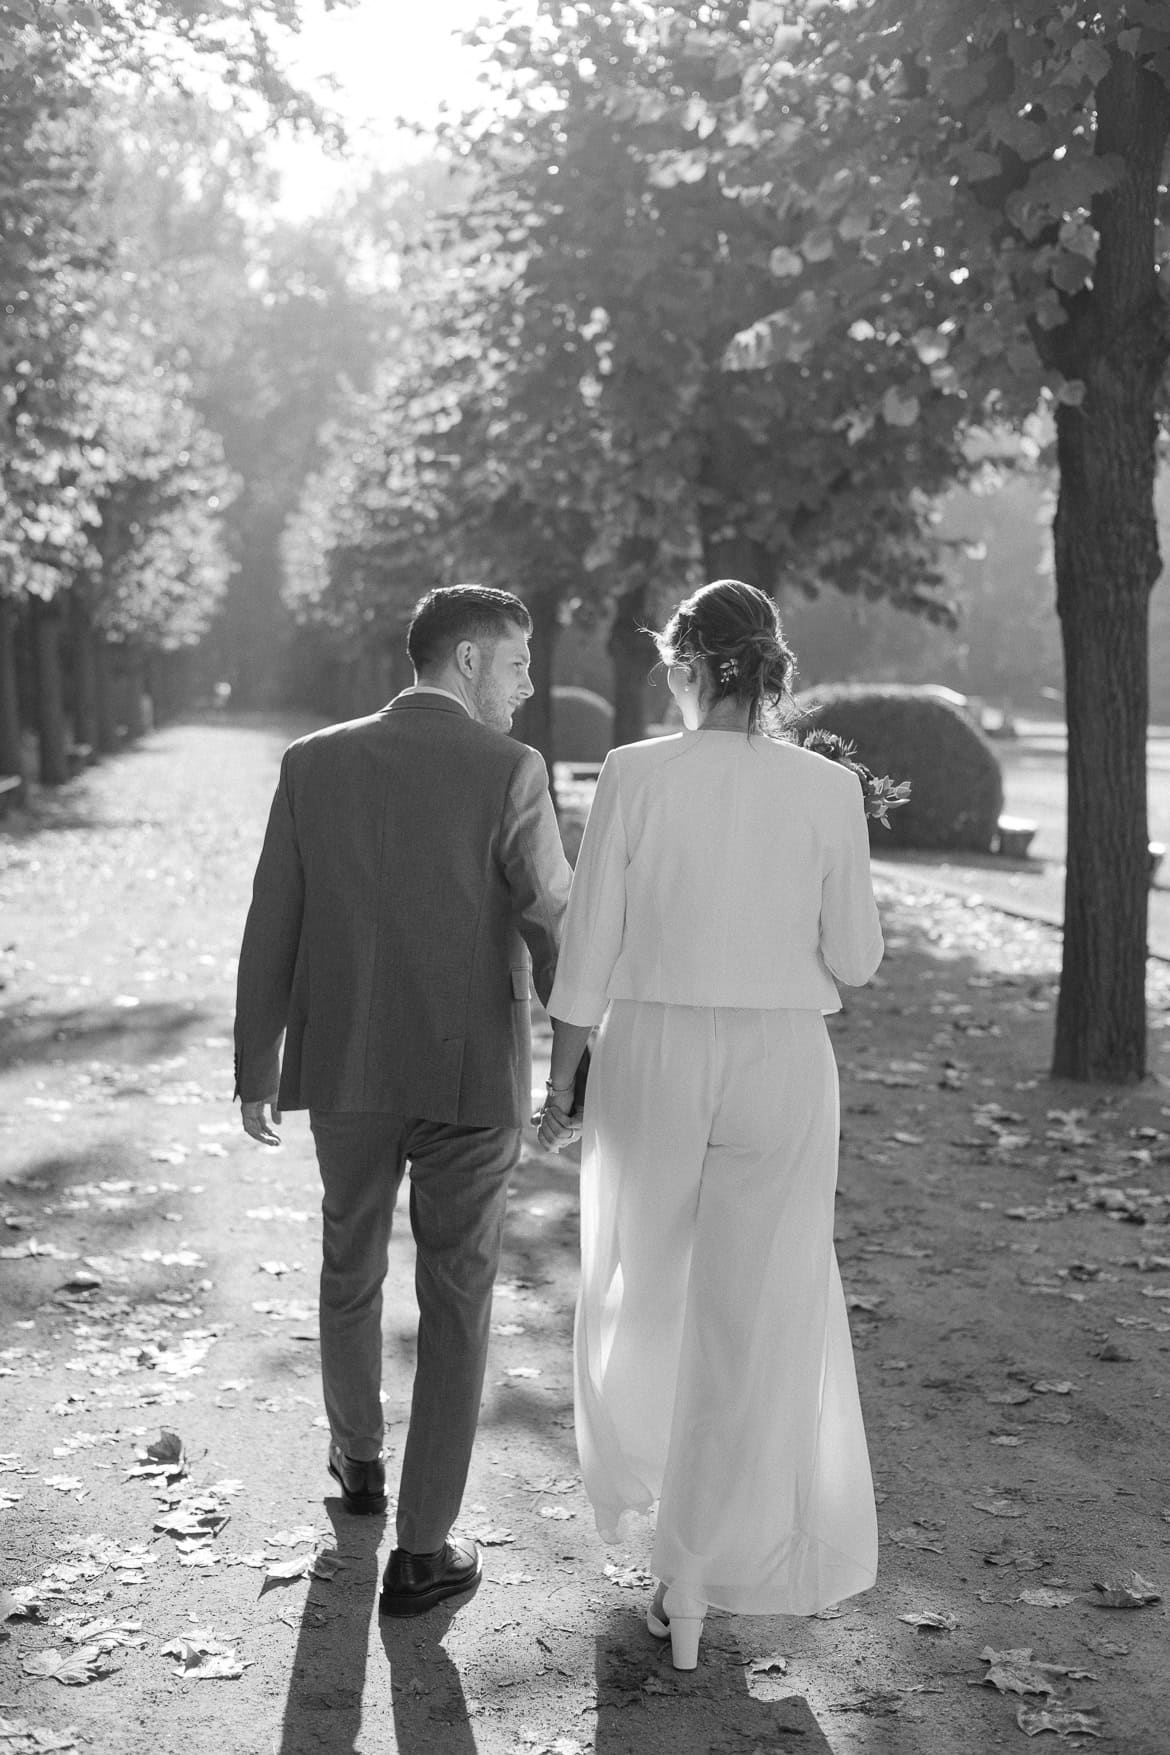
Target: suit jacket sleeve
x: 535, y: 868
x: 595, y: 924
x: 269, y: 951
x: 851, y: 933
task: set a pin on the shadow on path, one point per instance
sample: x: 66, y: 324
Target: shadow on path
x: 324, y: 1706
x: 644, y: 1703
x: 430, y: 1711
x: 148, y: 1030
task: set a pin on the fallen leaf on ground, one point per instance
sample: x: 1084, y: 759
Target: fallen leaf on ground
x: 304, y: 1532
x: 557, y: 1513
x: 1066, y: 1721
x: 75, y: 1668
x: 1014, y: 1672
x: 777, y: 1665
x: 1042, y: 1598
x: 1139, y: 1593
x: 998, y: 1507
x: 18, y: 1737
x: 629, y: 1577
x: 1046, y: 1388
x: 928, y: 1620
x: 914, y: 1536
x: 164, y: 1457
x: 492, y: 1536
x: 205, y: 1658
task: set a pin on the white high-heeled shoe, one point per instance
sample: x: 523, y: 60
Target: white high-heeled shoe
x: 684, y: 1622
x: 656, y: 1619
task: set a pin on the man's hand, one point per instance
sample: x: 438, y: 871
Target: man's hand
x: 256, y: 1124
x: 556, y: 1130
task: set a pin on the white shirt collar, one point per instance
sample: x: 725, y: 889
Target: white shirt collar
x: 431, y: 689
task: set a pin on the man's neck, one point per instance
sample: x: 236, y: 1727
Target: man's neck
x: 451, y: 684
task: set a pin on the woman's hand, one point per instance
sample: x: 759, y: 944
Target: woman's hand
x: 556, y: 1125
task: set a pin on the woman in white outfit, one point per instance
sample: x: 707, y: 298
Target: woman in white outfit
x: 723, y: 883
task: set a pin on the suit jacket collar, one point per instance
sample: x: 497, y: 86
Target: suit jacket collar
x: 429, y: 702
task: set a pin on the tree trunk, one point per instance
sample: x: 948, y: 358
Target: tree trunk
x: 138, y: 705
x: 105, y: 715
x: 85, y: 679
x: 52, y: 732
x: 629, y: 648
x: 1117, y: 341
x: 11, y: 761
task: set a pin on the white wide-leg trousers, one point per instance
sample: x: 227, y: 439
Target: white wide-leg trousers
x: 713, y: 1364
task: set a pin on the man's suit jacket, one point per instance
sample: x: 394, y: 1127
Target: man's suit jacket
x: 411, y: 880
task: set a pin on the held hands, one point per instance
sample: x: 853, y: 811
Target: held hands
x: 558, y: 1124
x: 256, y: 1124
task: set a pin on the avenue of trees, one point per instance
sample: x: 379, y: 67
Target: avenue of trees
x: 169, y: 351
x: 722, y: 287
x: 739, y: 288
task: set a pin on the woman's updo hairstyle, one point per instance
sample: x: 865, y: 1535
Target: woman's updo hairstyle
x: 731, y: 632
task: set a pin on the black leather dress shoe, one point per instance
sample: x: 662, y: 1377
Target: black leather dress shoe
x: 414, y: 1583
x: 363, y: 1484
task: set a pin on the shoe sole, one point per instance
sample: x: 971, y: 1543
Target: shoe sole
x: 361, y: 1504
x: 418, y: 1602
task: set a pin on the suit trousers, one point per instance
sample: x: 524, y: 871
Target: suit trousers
x: 458, y: 1195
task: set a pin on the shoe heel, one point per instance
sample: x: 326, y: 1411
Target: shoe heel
x: 685, y: 1622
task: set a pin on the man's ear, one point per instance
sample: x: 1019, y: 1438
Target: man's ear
x: 465, y: 657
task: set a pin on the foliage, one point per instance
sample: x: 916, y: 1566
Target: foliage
x: 162, y: 567
x: 956, y: 794
x: 942, y: 178
x: 635, y: 259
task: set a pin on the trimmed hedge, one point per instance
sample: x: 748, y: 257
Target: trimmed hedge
x: 956, y: 787
x: 582, y: 728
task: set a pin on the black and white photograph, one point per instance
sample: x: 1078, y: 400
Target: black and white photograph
x: 584, y: 893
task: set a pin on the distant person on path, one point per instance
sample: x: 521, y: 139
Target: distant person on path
x: 723, y: 882
x: 411, y: 883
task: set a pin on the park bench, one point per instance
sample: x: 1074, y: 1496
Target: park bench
x: 1015, y: 837
x: 11, y: 791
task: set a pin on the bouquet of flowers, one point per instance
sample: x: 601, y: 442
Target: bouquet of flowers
x: 881, y: 794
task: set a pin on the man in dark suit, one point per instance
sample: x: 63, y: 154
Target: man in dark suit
x: 411, y: 882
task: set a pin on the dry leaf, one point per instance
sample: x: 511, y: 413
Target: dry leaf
x: 1066, y: 1721
x: 18, y: 1737
x: 914, y: 1536
x: 1139, y: 1593
x: 629, y: 1577
x: 1043, y: 1598
x: 86, y: 1664
x: 1013, y: 1672
x: 205, y: 1658
x: 297, y: 1567
x: 928, y: 1620
x: 304, y: 1532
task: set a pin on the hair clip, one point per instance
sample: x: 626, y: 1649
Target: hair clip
x: 728, y: 671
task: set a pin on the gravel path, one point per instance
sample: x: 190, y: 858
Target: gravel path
x: 1004, y: 1246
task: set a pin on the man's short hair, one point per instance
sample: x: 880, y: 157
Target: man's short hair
x: 452, y: 613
